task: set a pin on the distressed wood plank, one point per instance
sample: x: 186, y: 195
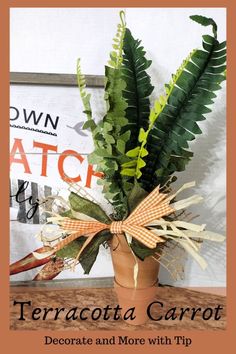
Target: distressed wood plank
x: 24, y: 78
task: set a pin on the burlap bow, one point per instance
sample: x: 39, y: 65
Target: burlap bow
x: 153, y: 207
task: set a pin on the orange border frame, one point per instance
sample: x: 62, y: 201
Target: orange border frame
x: 29, y: 342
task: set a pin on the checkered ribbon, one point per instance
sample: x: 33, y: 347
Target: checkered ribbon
x: 153, y: 207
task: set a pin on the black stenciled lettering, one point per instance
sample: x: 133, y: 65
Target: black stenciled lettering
x: 49, y: 119
x: 16, y: 111
x: 33, y: 203
x: 32, y: 114
x: 21, y: 190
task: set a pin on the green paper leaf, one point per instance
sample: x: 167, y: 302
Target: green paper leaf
x: 72, y: 249
x: 128, y: 172
x: 89, y: 255
x: 107, y: 127
x: 141, y: 163
x: 143, y: 152
x: 120, y: 146
x: 136, y: 195
x: 89, y: 124
x: 189, y: 95
x: 133, y: 152
x: 87, y: 207
x: 142, y: 135
x: 109, y: 139
x: 84, y: 96
x: 131, y: 163
x: 205, y: 21
x: 112, y: 146
x: 142, y: 251
x: 138, y: 87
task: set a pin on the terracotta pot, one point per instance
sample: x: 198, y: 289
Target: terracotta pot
x: 147, y: 280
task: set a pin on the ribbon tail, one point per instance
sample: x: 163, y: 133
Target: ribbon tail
x: 147, y: 237
x: 184, y: 203
x: 152, y: 200
x: 185, y: 186
x: 73, y: 236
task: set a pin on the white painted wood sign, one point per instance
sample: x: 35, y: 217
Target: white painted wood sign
x: 47, y: 143
x: 47, y: 139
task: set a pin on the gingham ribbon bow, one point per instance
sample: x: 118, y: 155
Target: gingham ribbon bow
x: 153, y: 207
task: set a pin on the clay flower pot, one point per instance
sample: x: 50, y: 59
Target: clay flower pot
x: 147, y: 280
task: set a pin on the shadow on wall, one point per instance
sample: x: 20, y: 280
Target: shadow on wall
x: 207, y: 168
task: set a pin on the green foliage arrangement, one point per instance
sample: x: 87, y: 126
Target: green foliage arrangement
x: 139, y: 147
x: 136, y: 143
